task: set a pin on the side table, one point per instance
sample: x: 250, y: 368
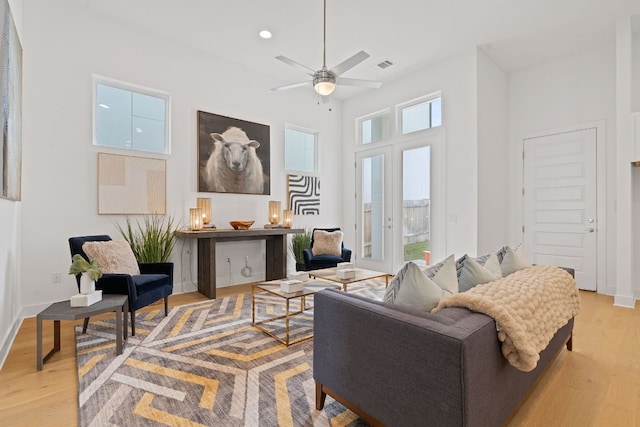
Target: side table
x: 63, y: 311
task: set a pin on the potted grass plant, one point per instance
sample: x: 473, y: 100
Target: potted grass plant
x: 151, y: 240
x: 299, y: 242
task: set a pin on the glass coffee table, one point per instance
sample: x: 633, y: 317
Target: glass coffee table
x: 361, y: 275
x: 272, y: 287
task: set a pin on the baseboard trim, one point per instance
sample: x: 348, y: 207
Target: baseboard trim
x: 624, y: 301
x: 8, y: 342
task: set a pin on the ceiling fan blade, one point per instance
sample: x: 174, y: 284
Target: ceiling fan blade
x: 358, y: 82
x: 293, y: 85
x: 295, y: 64
x: 348, y: 64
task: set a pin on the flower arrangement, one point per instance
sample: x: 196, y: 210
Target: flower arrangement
x: 79, y: 265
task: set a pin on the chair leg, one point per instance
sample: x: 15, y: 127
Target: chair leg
x: 84, y: 325
x: 133, y: 323
x: 166, y: 306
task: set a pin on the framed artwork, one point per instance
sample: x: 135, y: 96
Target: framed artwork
x: 11, y: 98
x: 233, y: 155
x: 131, y: 185
x: 304, y: 194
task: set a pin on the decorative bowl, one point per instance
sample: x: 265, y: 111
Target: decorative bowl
x: 241, y: 225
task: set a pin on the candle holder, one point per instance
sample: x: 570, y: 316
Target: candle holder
x: 195, y: 219
x: 287, y: 218
x: 204, y: 203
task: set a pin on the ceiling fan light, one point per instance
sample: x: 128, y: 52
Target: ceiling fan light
x: 323, y: 82
x: 324, y: 88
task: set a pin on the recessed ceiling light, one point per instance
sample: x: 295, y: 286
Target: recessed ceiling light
x: 265, y: 34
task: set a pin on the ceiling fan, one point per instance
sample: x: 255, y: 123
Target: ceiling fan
x: 324, y: 80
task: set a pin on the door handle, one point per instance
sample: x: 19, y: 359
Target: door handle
x: 590, y: 230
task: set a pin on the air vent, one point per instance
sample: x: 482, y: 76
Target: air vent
x: 385, y: 64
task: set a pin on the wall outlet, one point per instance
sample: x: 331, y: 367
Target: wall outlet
x: 56, y: 277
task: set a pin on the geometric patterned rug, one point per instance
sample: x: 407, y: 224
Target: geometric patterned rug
x: 205, y: 365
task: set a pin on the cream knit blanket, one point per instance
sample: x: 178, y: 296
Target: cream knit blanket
x: 529, y: 306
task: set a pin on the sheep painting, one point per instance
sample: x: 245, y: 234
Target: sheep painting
x: 234, y: 166
x: 233, y: 155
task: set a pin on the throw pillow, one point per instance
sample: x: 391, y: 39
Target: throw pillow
x: 514, y: 260
x: 472, y: 273
x: 327, y: 243
x: 114, y: 256
x: 431, y: 270
x: 410, y: 287
x: 444, y: 274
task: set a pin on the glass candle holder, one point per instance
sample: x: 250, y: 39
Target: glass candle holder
x: 287, y: 218
x: 204, y: 203
x: 274, y: 212
x: 195, y: 219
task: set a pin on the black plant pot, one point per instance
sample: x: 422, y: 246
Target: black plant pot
x: 300, y: 267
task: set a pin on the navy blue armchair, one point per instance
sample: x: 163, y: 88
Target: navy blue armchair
x: 155, y: 281
x: 319, y: 261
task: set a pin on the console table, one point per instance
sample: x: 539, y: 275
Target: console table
x: 275, y: 252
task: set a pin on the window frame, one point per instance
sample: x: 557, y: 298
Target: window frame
x: 133, y: 88
x: 370, y: 116
x: 316, y: 149
x: 429, y: 98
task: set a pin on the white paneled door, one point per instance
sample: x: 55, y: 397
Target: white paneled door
x: 560, y: 202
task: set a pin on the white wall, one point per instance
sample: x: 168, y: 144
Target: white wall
x: 635, y: 72
x: 492, y: 122
x: 570, y: 91
x: 10, y: 248
x: 455, y: 77
x: 64, y: 45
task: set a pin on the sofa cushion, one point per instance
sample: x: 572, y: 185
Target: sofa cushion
x: 514, y: 260
x: 473, y: 273
x: 113, y: 256
x: 411, y: 287
x: 327, y: 243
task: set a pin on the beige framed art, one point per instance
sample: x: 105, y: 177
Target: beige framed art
x: 131, y: 185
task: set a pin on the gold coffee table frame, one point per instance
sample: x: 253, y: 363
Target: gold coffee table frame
x: 273, y: 287
x: 361, y: 276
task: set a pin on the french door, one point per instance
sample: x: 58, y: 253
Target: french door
x: 394, y: 214
x: 374, y: 209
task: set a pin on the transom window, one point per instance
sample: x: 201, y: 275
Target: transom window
x: 420, y: 115
x: 129, y: 116
x: 376, y: 127
x: 300, y: 149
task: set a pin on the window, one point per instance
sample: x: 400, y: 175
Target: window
x: 421, y: 115
x: 130, y: 117
x: 375, y: 128
x: 300, y: 149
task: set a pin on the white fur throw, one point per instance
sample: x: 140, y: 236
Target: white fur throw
x: 529, y: 306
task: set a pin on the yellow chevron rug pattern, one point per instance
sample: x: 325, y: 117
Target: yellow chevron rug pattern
x: 205, y: 365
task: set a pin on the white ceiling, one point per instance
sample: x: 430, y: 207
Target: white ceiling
x: 410, y: 33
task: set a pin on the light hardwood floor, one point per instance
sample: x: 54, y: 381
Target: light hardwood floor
x: 597, y: 384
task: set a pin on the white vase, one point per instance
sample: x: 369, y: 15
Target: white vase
x: 87, y: 285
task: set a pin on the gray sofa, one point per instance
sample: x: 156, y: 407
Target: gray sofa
x: 397, y: 366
